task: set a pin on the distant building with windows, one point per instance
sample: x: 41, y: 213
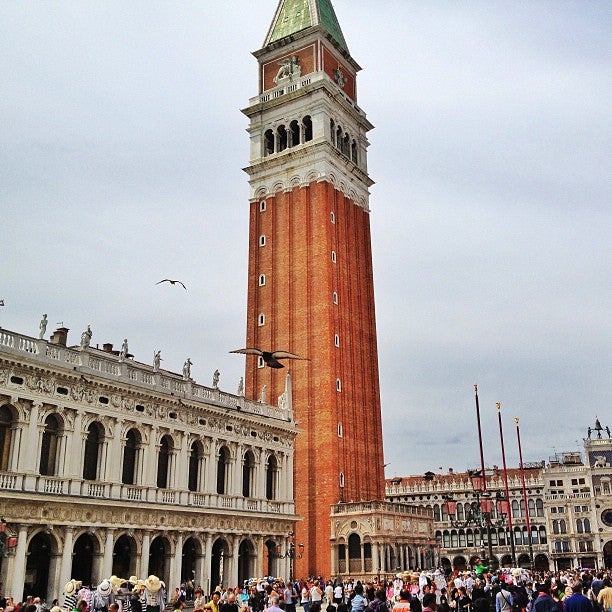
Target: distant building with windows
x: 457, y: 547
x: 578, y: 503
x: 109, y: 466
x: 569, y: 502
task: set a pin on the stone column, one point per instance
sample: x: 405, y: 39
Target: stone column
x: 176, y: 562
x: 143, y: 565
x: 206, y: 583
x: 107, y: 560
x: 66, y: 562
x: 32, y: 442
x: 233, y: 568
x: 375, y: 558
x: 113, y: 466
x: 17, y: 578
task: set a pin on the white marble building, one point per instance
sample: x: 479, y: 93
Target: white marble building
x: 113, y: 467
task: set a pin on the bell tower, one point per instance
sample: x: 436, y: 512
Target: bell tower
x: 310, y: 282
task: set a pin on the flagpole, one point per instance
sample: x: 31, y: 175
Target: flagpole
x: 506, y: 489
x: 525, y: 500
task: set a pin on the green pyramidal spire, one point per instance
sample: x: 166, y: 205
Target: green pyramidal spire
x: 293, y: 16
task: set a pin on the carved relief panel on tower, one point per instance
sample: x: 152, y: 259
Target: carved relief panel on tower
x: 288, y: 67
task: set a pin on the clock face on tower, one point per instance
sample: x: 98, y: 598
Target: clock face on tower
x: 606, y: 517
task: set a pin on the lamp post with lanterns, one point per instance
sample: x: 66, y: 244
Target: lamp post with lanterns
x: 292, y: 552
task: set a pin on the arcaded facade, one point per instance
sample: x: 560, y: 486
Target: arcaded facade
x: 109, y: 466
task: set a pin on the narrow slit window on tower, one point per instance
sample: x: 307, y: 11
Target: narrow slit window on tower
x: 333, y: 256
x: 342, y: 480
x: 332, y: 131
x: 340, y: 432
x: 261, y: 319
x: 336, y: 340
x: 332, y: 217
x: 338, y: 384
x: 262, y: 241
x: 260, y: 362
x: 262, y: 206
x: 335, y: 297
x: 262, y: 280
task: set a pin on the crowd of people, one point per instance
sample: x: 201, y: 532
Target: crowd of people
x: 478, y: 590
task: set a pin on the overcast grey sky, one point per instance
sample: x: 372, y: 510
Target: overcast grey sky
x: 121, y: 151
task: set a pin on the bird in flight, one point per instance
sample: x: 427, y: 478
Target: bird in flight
x: 172, y: 282
x: 271, y: 358
x: 1, y: 302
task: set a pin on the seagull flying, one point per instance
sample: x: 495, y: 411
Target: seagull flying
x: 172, y: 282
x: 1, y: 302
x: 271, y: 358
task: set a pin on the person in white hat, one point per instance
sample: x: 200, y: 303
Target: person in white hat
x: 70, y: 595
x: 102, y: 596
x: 154, y: 596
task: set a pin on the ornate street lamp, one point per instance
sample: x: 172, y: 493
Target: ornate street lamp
x: 293, y: 552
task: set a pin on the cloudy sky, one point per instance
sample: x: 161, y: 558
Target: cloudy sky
x: 122, y: 144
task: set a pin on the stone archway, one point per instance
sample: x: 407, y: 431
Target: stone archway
x: 124, y: 556
x: 37, y: 565
x: 218, y: 571
x: 607, y: 554
x: 84, y: 550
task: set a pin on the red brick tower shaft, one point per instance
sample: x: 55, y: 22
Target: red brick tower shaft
x: 311, y: 286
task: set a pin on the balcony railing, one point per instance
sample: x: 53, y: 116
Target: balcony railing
x: 71, y: 488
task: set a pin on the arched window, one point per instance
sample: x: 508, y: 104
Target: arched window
x: 294, y: 131
x: 248, y: 474
x: 338, y: 138
x: 454, y: 539
x: 271, y: 477
x: 531, y: 507
x: 307, y: 121
x: 543, y: 539
x: 354, y: 152
x: 282, y: 138
x: 539, y: 507
x: 462, y: 541
x: 446, y: 539
x: 332, y: 131
x: 6, y: 422
x: 268, y: 142
x: 128, y: 471
x: 460, y: 512
x: 535, y: 535
x: 196, y: 455
x: 222, y: 470
x: 50, y: 444
x: 562, y: 526
x: 92, y: 450
x: 515, y: 508
x: 354, y: 546
x: 163, y: 462
x: 436, y: 511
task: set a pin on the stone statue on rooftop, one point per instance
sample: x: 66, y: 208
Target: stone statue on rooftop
x: 187, y: 369
x: 86, y: 338
x: 216, y: 376
x: 264, y: 392
x: 124, y: 350
x: 241, y: 387
x: 42, y: 327
x: 156, y: 360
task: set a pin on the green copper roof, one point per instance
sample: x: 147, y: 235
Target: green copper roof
x: 295, y: 15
